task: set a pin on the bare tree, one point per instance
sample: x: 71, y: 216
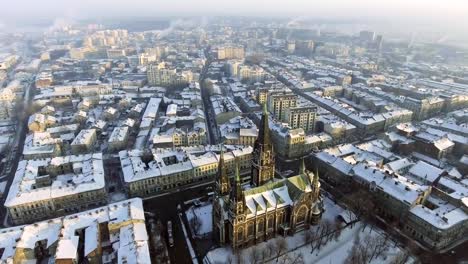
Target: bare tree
x: 401, y: 258
x: 314, y: 234
x: 337, y: 228
x: 307, y: 236
x: 280, y: 247
x: 255, y: 254
x: 271, y: 247
x: 358, y: 253
x: 293, y: 258
x: 239, y: 257
x: 196, y: 224
x: 265, y: 253
x: 378, y: 245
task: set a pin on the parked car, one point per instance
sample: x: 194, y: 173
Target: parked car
x: 170, y: 237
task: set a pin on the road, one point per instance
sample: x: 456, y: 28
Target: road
x: 17, y: 149
x: 165, y: 208
x: 210, y: 122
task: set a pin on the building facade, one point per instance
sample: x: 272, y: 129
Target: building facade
x: 302, y: 117
x: 278, y: 103
x: 246, y: 216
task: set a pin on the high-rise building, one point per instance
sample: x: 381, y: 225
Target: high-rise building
x: 159, y: 75
x: 262, y: 95
x: 367, y: 36
x: 278, y: 103
x: 230, y: 52
x: 301, y: 117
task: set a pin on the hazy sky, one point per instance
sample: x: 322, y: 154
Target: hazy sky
x: 422, y: 9
x: 446, y: 18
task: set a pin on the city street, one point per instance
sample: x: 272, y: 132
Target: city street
x: 17, y: 149
x: 165, y: 208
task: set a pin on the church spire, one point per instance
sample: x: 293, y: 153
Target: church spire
x: 302, y: 168
x: 263, y: 162
x: 316, y: 182
x: 264, y: 133
x: 238, y: 192
x: 222, y: 181
x: 316, y: 185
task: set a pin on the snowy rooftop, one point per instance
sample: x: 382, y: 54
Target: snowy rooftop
x: 87, y: 174
x: 152, y: 108
x: 168, y: 161
x: 223, y: 104
x: 124, y: 221
x: 238, y: 126
x: 84, y: 137
x: 119, y: 134
x: 397, y: 186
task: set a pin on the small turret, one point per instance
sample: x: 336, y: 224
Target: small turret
x: 237, y: 193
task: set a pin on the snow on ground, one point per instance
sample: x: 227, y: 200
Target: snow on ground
x: 331, y: 210
x: 334, y: 252
x: 203, y: 215
x: 117, y: 197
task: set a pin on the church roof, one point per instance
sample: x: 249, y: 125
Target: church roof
x: 275, y: 194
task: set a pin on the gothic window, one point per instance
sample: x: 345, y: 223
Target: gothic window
x: 280, y: 218
x: 270, y: 223
x: 260, y: 226
x: 301, y: 215
x: 240, y: 234
x: 250, y: 229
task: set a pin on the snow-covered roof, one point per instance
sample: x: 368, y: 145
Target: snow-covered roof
x: 124, y: 221
x: 425, y: 171
x: 135, y: 169
x: 87, y: 175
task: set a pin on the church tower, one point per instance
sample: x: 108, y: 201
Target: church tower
x: 237, y: 194
x: 223, y: 186
x: 236, y: 211
x: 316, y: 186
x: 263, y: 161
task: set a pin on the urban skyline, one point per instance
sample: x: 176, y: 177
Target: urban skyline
x: 234, y: 132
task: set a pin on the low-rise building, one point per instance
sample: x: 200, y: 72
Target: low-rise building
x: 84, y: 141
x: 119, y: 138
x: 40, y: 145
x: 115, y: 233
x: 165, y: 169
x: 239, y: 131
x: 53, y: 187
x: 224, y: 108
x: 39, y: 122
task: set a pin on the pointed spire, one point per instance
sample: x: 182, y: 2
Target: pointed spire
x: 264, y: 128
x: 223, y: 179
x: 238, y: 192
x: 237, y: 175
x: 315, y: 182
x: 302, y: 168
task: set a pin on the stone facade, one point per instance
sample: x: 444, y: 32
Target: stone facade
x: 246, y: 216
